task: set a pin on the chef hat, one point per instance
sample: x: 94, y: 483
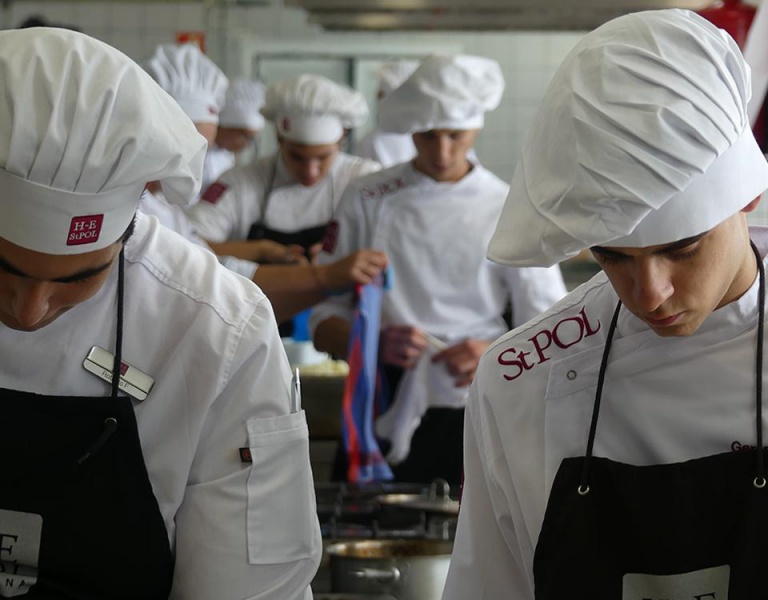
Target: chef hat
x: 82, y: 130
x: 193, y: 79
x: 313, y: 110
x: 444, y: 92
x: 393, y: 74
x: 642, y: 139
x: 242, y: 105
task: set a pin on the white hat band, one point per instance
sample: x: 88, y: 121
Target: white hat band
x: 53, y: 221
x: 310, y: 129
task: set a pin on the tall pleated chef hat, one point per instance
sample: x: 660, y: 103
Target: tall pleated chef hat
x: 642, y: 139
x: 444, y: 92
x: 82, y: 130
x: 313, y: 110
x: 393, y: 74
x: 242, y: 105
x: 193, y: 79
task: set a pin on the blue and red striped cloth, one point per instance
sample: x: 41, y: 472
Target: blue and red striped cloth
x: 364, y: 399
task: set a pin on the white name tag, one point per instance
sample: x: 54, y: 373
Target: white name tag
x: 706, y: 584
x: 133, y: 382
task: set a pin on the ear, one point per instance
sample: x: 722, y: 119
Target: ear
x: 752, y: 205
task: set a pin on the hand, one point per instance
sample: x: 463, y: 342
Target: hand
x: 274, y: 252
x: 401, y: 346
x: 462, y: 359
x: 360, y: 267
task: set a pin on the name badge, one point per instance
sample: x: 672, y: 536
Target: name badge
x: 133, y: 382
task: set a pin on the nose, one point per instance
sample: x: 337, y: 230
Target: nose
x: 444, y: 149
x: 310, y: 172
x: 31, y: 302
x: 652, y: 285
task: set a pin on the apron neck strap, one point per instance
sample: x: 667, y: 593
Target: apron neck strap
x: 119, y: 333
x: 759, y: 480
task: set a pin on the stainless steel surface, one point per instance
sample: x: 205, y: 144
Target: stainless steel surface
x: 406, y: 569
x: 476, y: 15
x: 437, y: 500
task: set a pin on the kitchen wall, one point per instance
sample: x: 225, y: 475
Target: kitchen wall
x: 528, y: 59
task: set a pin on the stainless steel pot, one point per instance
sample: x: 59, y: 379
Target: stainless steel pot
x: 406, y: 569
x: 438, y: 500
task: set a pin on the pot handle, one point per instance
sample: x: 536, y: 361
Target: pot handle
x: 390, y: 575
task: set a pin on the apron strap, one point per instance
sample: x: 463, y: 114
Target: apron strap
x: 584, y: 486
x: 759, y: 481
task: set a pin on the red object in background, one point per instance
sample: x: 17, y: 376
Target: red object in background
x: 191, y: 37
x: 736, y: 17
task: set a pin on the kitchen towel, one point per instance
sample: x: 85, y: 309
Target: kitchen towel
x: 361, y: 403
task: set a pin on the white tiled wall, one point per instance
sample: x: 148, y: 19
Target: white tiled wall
x: 527, y: 59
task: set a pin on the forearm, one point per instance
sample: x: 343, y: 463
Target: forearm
x: 290, y: 288
x: 244, y: 249
x: 332, y: 336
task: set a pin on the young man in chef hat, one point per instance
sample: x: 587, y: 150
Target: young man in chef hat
x: 385, y: 147
x: 138, y: 375
x: 641, y: 151
x: 240, y: 123
x: 198, y: 84
x: 433, y: 217
x: 289, y: 197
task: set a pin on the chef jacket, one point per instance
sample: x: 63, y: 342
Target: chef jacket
x: 435, y: 235
x: 174, y: 218
x: 231, y: 205
x: 217, y: 161
x: 221, y: 382
x: 666, y: 400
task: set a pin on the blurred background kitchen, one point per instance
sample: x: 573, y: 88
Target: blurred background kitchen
x: 347, y: 41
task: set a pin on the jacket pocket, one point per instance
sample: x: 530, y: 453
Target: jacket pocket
x: 282, y: 514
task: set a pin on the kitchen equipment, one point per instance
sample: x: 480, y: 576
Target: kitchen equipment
x: 406, y: 569
x: 330, y: 596
x: 437, y: 500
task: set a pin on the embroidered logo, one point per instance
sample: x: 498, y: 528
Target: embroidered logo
x: 383, y: 188
x: 214, y: 192
x: 565, y: 333
x: 705, y: 584
x: 20, y: 535
x: 331, y: 237
x: 737, y: 446
x: 84, y: 230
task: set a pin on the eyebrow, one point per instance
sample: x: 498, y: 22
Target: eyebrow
x: 664, y: 250
x: 79, y: 276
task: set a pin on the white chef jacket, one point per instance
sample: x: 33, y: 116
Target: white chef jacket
x: 665, y: 400
x: 222, y: 382
x: 239, y: 196
x: 217, y: 161
x: 175, y: 219
x: 435, y: 235
x: 387, y: 148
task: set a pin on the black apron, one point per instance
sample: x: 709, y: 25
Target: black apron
x: 303, y: 237
x: 78, y: 517
x: 306, y: 238
x: 696, y: 530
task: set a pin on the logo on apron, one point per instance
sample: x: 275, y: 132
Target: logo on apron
x: 20, y: 535
x: 706, y: 584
